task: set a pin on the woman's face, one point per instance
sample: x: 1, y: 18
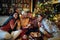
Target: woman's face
x: 40, y: 18
x: 15, y: 15
x: 29, y: 15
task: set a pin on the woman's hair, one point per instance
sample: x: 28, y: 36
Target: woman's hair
x: 10, y: 17
x: 6, y: 22
x: 43, y: 15
x: 13, y: 13
x: 17, y: 13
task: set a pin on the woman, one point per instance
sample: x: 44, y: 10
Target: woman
x: 8, y: 27
x: 47, y: 27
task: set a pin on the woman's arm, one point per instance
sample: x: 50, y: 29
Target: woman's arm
x: 45, y: 32
x: 12, y: 24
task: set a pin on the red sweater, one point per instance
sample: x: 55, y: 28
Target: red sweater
x: 7, y: 27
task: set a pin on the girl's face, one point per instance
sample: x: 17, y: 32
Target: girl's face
x: 15, y: 15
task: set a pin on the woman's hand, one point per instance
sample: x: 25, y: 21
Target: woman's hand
x: 47, y: 35
x: 39, y: 24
